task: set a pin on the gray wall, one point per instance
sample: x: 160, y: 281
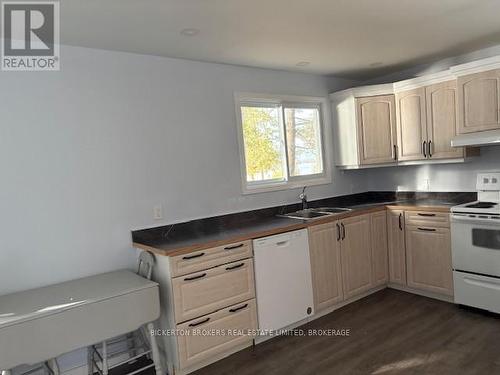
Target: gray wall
x: 86, y: 153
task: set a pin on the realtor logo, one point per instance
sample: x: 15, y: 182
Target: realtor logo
x: 30, y: 35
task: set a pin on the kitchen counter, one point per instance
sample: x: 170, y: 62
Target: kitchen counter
x: 200, y: 234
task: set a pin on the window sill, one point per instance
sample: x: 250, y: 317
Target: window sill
x: 277, y: 186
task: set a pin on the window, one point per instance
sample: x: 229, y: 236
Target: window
x: 281, y: 142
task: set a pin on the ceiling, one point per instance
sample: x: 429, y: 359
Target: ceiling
x: 351, y: 38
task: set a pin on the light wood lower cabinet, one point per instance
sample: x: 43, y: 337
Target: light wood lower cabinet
x: 356, y: 255
x: 428, y: 259
x: 380, y: 272
x: 203, y: 292
x: 324, y: 250
x: 206, y: 337
x: 208, y: 258
x: 396, y: 246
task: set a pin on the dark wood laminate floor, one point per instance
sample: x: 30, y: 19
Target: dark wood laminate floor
x: 391, y: 332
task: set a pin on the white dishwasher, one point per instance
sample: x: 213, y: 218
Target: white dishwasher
x: 283, y: 279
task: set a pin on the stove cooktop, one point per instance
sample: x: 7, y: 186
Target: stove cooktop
x: 479, y: 207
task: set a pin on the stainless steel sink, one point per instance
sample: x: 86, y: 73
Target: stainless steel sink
x: 314, y: 213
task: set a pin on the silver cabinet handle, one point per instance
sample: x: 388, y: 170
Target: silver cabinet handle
x: 233, y: 247
x: 200, y: 322
x: 235, y: 267
x: 427, y: 229
x: 195, y: 277
x: 238, y: 308
x: 187, y: 257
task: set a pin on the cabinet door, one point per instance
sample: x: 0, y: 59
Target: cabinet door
x: 428, y: 259
x: 441, y: 120
x: 411, y: 124
x: 396, y: 246
x: 356, y: 257
x: 478, y: 102
x: 380, y: 271
x: 376, y: 129
x: 324, y: 250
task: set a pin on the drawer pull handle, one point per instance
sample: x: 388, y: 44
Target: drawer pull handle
x: 195, y: 277
x: 193, y: 256
x: 428, y: 215
x: 238, y: 308
x: 233, y: 247
x: 234, y: 267
x: 427, y: 229
x: 200, y: 322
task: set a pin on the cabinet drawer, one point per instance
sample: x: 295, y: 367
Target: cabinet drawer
x: 206, y: 291
x: 215, y: 334
x: 203, y: 259
x: 427, y: 218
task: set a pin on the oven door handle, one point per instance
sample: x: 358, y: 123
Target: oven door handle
x: 475, y: 220
x: 481, y: 283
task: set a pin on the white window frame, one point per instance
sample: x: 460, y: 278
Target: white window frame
x: 241, y: 98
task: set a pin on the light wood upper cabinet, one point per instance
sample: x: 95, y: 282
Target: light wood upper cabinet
x: 380, y: 272
x: 428, y: 257
x: 396, y: 246
x: 411, y: 124
x: 356, y: 257
x: 376, y: 126
x: 427, y: 122
x: 479, y: 102
x: 324, y: 249
x: 441, y: 120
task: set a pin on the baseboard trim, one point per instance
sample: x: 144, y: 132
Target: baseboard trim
x: 422, y: 293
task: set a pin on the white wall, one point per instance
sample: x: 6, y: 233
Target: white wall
x: 85, y: 154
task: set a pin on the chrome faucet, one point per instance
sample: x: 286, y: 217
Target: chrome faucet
x: 303, y: 197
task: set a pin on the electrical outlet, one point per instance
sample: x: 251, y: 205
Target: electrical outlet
x: 158, y: 212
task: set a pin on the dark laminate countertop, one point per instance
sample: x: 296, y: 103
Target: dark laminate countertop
x: 200, y: 234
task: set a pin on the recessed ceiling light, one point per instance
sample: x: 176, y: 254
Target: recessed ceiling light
x: 302, y: 63
x: 190, y: 32
x: 375, y: 64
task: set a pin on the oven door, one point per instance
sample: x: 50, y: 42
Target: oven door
x: 475, y: 245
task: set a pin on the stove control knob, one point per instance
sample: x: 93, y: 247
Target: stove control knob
x: 486, y: 180
x: 494, y: 180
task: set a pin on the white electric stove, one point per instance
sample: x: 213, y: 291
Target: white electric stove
x: 475, y: 241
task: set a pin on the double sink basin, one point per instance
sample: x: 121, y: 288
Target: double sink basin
x: 315, y: 213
